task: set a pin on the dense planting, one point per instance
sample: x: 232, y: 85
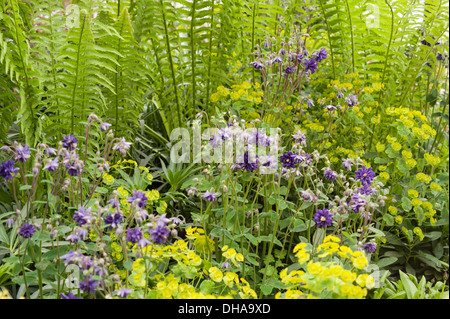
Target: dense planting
x: 224, y: 149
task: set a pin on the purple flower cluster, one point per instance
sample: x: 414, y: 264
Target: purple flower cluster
x: 7, y: 170
x: 330, y: 175
x: 82, y: 215
x: 139, y: 198
x: 113, y: 219
x: 310, y: 65
x: 27, y: 230
x: 160, y: 233
x: 288, y: 160
x: 70, y: 142
x: 323, y: 218
x: 23, y: 153
x: 210, y: 196
x: 320, y: 55
x: 365, y: 175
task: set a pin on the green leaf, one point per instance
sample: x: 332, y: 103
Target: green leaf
x: 207, y: 287
x: 266, y: 289
x: 386, y: 261
x: 408, y: 285
x: 406, y: 203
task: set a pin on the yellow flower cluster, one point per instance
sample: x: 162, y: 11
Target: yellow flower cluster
x: 244, y: 91
x: 231, y: 254
x: 172, y: 285
x: 326, y: 276
x: 202, y: 243
x: 116, y: 251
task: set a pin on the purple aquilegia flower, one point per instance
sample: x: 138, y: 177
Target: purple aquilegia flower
x: 225, y: 265
x: 113, y: 219
x: 248, y: 163
x: 123, y: 292
x: 439, y: 56
x: 104, y: 126
x: 73, y: 238
x: 331, y: 108
x: 277, y: 59
x: 23, y: 153
x: 310, y: 103
x: 7, y: 170
x: 365, y: 175
x: 139, y: 198
x: 310, y: 65
x: 70, y: 142
x: 289, y: 69
x: 357, y: 203
x: 122, y: 146
x: 323, y: 218
x: 114, y: 202
x: 347, y: 163
x: 159, y: 234
x: 370, y: 247
x: 134, y: 235
x: 288, y: 160
x: 88, y: 285
x: 320, y: 55
x: 330, y: 175
x: 210, y: 197
x: 82, y: 215
x: 257, y: 65
x: 52, y: 165
x: 10, y: 222
x: 366, y: 190
x: 69, y: 296
x: 425, y: 42
x: 50, y: 151
x: 27, y: 230
x: 282, y: 51
x: 300, y: 137
x: 351, y: 100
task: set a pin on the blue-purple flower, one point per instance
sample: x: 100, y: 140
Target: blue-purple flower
x: 288, y: 160
x: 134, y: 235
x: 27, y: 230
x: 113, y: 219
x: 365, y: 175
x: 123, y: 292
x: 351, y: 100
x: 330, y: 175
x: 23, y: 153
x: 323, y: 218
x: 248, y: 162
x: 52, y: 165
x: 370, y: 247
x: 310, y: 65
x: 69, y: 296
x: 159, y: 234
x: 357, y: 203
x: 289, y: 69
x: 82, y: 215
x: 331, y: 108
x: 257, y: 65
x: 320, y: 55
x: 439, y: 56
x: 139, y: 198
x: 88, y: 285
x: 122, y: 146
x: 7, y: 170
x: 347, y: 163
x: 210, y: 196
x: 70, y: 142
x: 105, y: 126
